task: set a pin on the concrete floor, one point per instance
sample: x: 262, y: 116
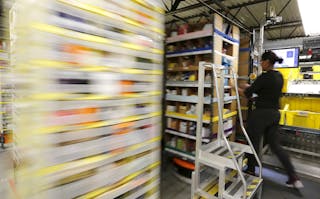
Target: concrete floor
x: 273, y: 188
x: 7, y: 177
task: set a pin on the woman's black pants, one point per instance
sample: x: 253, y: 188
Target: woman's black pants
x: 265, y: 122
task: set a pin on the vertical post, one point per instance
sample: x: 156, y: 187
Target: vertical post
x: 222, y: 181
x: 193, y: 185
x: 219, y: 81
x: 260, y: 47
x: 199, y: 124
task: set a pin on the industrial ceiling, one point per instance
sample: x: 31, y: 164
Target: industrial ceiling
x: 249, y: 14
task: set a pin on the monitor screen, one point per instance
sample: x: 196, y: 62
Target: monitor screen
x: 290, y: 57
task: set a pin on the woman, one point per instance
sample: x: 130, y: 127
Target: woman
x: 264, y: 120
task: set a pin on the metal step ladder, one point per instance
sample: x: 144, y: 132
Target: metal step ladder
x: 222, y: 155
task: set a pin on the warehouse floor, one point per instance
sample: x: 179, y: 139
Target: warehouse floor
x: 274, y: 186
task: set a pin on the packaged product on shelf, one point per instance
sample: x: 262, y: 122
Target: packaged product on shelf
x: 182, y: 109
x: 192, y: 110
x: 191, y: 146
x: 192, y: 77
x: 174, y: 124
x: 192, y: 128
x: 182, y: 144
x: 184, y: 92
x: 183, y: 127
x: 183, y: 29
x: 205, y: 132
x: 171, y: 108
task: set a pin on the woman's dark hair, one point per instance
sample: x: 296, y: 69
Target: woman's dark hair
x: 272, y: 57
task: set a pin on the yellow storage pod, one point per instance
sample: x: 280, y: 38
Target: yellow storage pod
x: 304, y: 119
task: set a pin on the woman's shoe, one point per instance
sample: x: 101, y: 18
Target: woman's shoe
x: 294, y: 183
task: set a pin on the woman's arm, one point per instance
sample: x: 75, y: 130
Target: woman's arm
x: 241, y: 88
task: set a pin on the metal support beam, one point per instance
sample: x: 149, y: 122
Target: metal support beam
x: 284, y: 7
x: 252, y: 15
x: 223, y: 7
x: 283, y: 25
x: 227, y: 11
x: 187, y: 8
x: 247, y: 4
x: 209, y: 2
x: 291, y: 33
x: 175, y: 5
x: 165, y: 5
x: 235, y: 15
x: 225, y: 17
x: 190, y: 17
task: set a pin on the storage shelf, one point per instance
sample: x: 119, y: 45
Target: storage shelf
x: 180, y: 134
x: 131, y: 185
x: 193, y: 118
x: 300, y: 129
x: 226, y: 37
x: 308, y: 64
x: 115, y: 174
x: 194, y: 99
x: 113, y: 19
x: 301, y: 94
x: 97, y: 124
x: 190, y: 52
x: 179, y: 153
x: 243, y: 78
x: 189, y: 36
x: 85, y: 164
x: 301, y: 151
x: 96, y: 42
x: 138, y: 68
x: 310, y: 73
x: 149, y: 186
x: 187, y: 84
x: 182, y: 69
x: 80, y: 97
x: 224, y: 55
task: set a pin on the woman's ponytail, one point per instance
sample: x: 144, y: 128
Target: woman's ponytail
x: 279, y: 60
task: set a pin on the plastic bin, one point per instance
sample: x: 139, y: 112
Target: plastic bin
x: 303, y: 119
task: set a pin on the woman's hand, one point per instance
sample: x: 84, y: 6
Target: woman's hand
x: 244, y: 85
x: 242, y: 88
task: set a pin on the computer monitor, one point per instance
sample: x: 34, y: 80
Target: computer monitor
x: 290, y: 57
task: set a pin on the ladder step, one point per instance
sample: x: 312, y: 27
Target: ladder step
x: 235, y: 190
x: 204, y: 194
x: 218, y: 156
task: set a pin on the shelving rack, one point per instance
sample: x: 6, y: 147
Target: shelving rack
x: 89, y: 84
x: 223, y: 49
x: 6, y: 86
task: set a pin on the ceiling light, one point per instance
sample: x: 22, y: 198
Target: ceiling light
x: 308, y: 11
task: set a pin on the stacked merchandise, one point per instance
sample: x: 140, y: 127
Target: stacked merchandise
x: 89, y: 78
x: 6, y: 86
x: 209, y: 41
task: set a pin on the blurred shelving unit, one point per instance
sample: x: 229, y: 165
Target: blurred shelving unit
x: 6, y: 85
x: 89, y: 80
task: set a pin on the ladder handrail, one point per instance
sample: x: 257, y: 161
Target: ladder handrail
x: 221, y: 131
x: 235, y: 78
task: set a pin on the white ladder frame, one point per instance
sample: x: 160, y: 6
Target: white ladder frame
x: 221, y: 136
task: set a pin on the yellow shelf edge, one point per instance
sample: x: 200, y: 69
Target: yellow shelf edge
x: 90, y: 160
x: 55, y: 129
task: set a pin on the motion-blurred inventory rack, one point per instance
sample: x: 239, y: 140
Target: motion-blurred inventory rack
x: 89, y: 111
